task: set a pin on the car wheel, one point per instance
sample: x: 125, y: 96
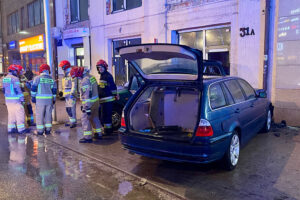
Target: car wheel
x: 116, y: 120
x: 268, y: 122
x: 231, y: 156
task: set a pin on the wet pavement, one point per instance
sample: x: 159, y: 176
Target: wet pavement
x: 58, y: 167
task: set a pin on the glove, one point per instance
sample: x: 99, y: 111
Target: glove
x: 33, y: 99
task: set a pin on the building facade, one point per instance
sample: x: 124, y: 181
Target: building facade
x: 23, y: 33
x: 73, y: 42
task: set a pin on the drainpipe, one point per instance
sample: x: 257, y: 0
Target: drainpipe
x: 166, y: 20
x: 269, y: 45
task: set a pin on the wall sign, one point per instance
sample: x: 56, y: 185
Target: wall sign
x: 32, y: 44
x: 76, y: 32
x: 12, y: 45
x: 246, y: 31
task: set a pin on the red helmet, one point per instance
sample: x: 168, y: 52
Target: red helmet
x: 102, y: 63
x: 20, y: 68
x: 64, y: 64
x: 13, y: 68
x: 76, y: 72
x: 44, y: 67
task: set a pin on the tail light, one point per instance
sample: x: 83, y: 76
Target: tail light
x: 204, y: 129
x: 123, y: 124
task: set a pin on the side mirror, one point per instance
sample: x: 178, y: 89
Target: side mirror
x: 261, y: 93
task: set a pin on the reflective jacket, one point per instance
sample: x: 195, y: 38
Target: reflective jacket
x: 44, y: 89
x: 69, y: 86
x: 12, y: 89
x: 25, y: 87
x: 88, y: 91
x: 107, y: 88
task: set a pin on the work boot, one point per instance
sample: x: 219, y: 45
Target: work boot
x: 13, y: 131
x: 73, y: 126
x: 47, y: 132
x: 86, y: 140
x: 40, y: 133
x: 97, y: 136
x: 25, y: 131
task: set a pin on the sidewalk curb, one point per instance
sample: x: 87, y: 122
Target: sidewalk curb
x: 142, y: 180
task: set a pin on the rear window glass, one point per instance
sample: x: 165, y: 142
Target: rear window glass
x: 249, y: 91
x: 235, y: 91
x: 216, y: 96
x: 211, y: 70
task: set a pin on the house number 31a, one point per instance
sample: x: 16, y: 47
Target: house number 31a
x: 246, y: 31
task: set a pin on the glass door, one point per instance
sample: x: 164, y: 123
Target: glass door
x: 79, y: 56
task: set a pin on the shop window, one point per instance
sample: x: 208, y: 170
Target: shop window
x: 214, y: 43
x: 122, y: 72
x: 35, y: 13
x: 13, y: 23
x: 79, y: 10
x: 119, y: 5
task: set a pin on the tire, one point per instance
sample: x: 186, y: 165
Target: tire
x: 116, y: 119
x: 268, y: 122
x: 231, y: 156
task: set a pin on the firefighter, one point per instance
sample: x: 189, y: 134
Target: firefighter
x: 107, y: 94
x: 25, y: 87
x: 69, y: 87
x: 14, y: 100
x: 43, y: 94
x: 90, y: 104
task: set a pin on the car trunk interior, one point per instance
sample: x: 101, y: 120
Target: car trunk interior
x: 167, y: 112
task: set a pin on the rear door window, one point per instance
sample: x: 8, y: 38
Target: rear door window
x: 228, y: 96
x: 216, y: 96
x: 249, y: 91
x: 235, y: 91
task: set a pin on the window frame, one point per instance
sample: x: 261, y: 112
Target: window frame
x: 79, y: 17
x: 112, y: 11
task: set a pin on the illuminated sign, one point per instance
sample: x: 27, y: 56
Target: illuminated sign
x: 32, y: 44
x: 12, y: 45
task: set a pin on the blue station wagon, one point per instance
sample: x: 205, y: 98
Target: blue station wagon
x: 179, y: 114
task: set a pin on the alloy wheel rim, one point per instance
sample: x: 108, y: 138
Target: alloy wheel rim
x: 269, y: 120
x: 116, y: 119
x: 234, y: 150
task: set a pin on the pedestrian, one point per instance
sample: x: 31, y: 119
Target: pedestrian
x: 90, y: 104
x: 107, y: 94
x: 69, y: 87
x: 14, y: 100
x: 43, y: 94
x: 25, y: 87
x: 29, y: 74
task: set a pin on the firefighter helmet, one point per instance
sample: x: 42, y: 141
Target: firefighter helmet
x: 65, y: 65
x: 77, y: 72
x: 102, y: 63
x: 21, y: 69
x: 44, y: 67
x: 13, y: 67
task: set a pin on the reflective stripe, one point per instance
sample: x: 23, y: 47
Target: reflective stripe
x: 44, y: 97
x: 11, y: 126
x: 26, y: 93
x: 72, y: 120
x: 12, y: 98
x: 114, y: 92
x: 107, y: 126
x: 46, y: 80
x: 87, y: 133
x: 93, y: 80
x: 40, y: 126
x: 21, y: 126
x: 91, y: 100
x: 48, y: 125
x: 107, y: 99
x: 99, y: 130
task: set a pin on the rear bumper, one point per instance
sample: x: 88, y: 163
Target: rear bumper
x: 175, y: 151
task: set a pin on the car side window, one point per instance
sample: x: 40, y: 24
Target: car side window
x: 249, y: 91
x: 228, y: 96
x: 211, y: 70
x: 235, y: 91
x: 216, y: 96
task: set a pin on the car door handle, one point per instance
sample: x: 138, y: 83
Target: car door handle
x: 237, y: 110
